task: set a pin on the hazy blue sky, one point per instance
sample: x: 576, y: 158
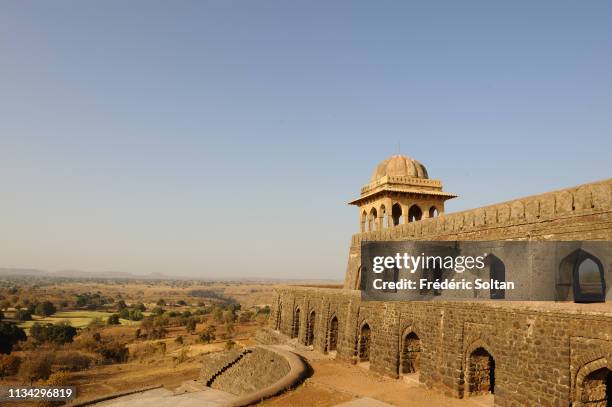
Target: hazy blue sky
x: 223, y: 138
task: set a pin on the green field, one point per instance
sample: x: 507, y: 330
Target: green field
x: 78, y: 319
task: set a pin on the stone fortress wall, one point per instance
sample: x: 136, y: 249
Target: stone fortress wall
x: 526, y: 354
x: 579, y: 213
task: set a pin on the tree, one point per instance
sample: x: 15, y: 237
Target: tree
x: 23, y: 315
x: 121, y: 305
x: 209, y: 334
x: 140, y: 307
x: 124, y: 313
x: 10, y: 334
x: 113, y: 320
x: 191, y: 325
x: 161, y: 302
x: 45, y: 309
x: 59, y: 334
x: 135, y: 315
x: 230, y: 329
x: 218, y: 314
x: 157, y: 311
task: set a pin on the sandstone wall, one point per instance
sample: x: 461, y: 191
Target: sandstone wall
x: 578, y: 213
x: 528, y: 354
x: 542, y: 352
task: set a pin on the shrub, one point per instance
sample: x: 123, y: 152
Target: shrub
x: 157, y: 311
x: 121, y: 305
x: 10, y: 334
x: 140, y: 307
x: 114, y: 351
x: 245, y: 316
x: 182, y: 303
x: 229, y: 345
x: 9, y: 365
x: 36, y: 367
x: 73, y: 361
x: 113, y: 319
x: 45, y: 309
x: 208, y: 334
x: 265, y: 310
x: 179, y: 340
x: 182, y: 357
x: 161, y: 302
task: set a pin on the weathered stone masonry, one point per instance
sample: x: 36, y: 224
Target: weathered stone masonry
x: 527, y: 354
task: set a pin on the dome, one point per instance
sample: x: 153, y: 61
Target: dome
x: 400, y: 165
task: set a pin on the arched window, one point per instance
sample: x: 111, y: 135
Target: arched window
x: 480, y: 373
x: 396, y: 214
x: 364, y: 221
x: 372, y: 220
x: 363, y: 345
x: 497, y: 271
x: 581, y: 277
x: 383, y: 215
x: 410, y: 354
x: 311, y: 329
x: 433, y: 212
x: 414, y: 213
x: 333, y: 334
x: 295, y: 328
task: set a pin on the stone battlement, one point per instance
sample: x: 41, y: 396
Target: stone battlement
x: 578, y: 213
x: 588, y: 199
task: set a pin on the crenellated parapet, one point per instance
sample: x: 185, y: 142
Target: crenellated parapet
x: 577, y: 213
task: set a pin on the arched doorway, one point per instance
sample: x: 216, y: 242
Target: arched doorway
x: 396, y: 214
x: 295, y: 327
x: 333, y: 334
x: 597, y: 388
x: 581, y: 278
x: 433, y: 212
x: 279, y: 312
x: 410, y: 354
x: 480, y: 372
x: 310, y: 329
x: 497, y: 271
x: 363, y: 345
x: 414, y: 213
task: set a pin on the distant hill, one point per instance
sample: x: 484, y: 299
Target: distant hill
x: 118, y: 275
x: 4, y: 271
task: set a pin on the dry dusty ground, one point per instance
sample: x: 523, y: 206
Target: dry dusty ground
x: 336, y: 382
